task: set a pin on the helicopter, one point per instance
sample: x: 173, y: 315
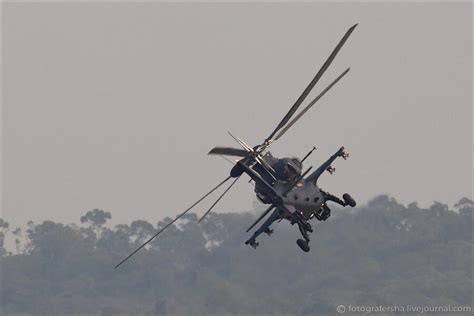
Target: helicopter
x: 281, y: 183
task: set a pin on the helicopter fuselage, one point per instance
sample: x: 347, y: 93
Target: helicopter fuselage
x: 284, y: 175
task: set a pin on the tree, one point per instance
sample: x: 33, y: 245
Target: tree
x: 141, y: 230
x: 3, y: 230
x: 96, y: 219
x: 17, y: 233
x: 378, y: 254
x: 465, y: 206
x: 52, y: 240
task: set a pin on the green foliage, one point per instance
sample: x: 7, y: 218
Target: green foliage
x: 96, y: 219
x: 3, y: 229
x: 383, y: 253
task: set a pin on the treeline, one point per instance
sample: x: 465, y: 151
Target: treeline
x: 382, y: 253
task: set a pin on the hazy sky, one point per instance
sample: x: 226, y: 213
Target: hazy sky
x: 115, y: 106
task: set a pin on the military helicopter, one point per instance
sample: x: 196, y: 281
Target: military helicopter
x: 280, y: 182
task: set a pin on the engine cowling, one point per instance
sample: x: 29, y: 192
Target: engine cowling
x: 236, y: 171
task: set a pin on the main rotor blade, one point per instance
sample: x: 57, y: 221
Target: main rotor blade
x: 258, y: 178
x: 228, y: 151
x: 241, y: 142
x: 283, y: 131
x: 257, y: 157
x: 318, y: 76
x: 220, y: 197
x: 261, y: 216
x: 228, y: 160
x: 169, y: 224
x: 269, y: 169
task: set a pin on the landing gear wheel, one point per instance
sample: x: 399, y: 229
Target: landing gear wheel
x: 349, y: 200
x: 303, y: 244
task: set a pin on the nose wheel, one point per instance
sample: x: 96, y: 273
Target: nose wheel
x: 303, y: 244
